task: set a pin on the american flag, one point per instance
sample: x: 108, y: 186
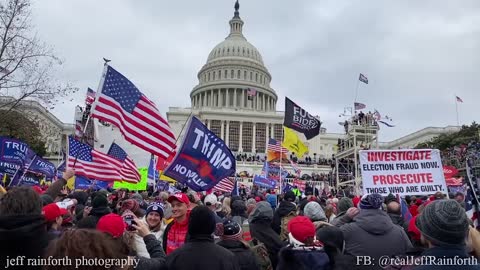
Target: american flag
x: 122, y: 104
x: 377, y: 115
x: 129, y: 170
x: 275, y: 146
x: 90, y: 96
x: 295, y: 168
x: 359, y: 106
x: 91, y: 163
x: 224, y: 185
x: 251, y: 92
x: 459, y: 99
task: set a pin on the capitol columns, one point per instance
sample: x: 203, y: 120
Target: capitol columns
x: 211, y: 98
x: 222, y: 130
x: 227, y: 100
x: 240, y: 147
x: 254, y: 137
x: 267, y: 134
x: 227, y: 139
x: 234, y: 97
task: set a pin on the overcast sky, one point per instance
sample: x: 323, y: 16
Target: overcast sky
x: 417, y: 55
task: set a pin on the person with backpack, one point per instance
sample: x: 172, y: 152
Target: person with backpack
x: 263, y: 236
x: 302, y: 252
x: 230, y: 233
x: 285, y: 211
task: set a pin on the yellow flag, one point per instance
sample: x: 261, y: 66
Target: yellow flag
x: 293, y: 143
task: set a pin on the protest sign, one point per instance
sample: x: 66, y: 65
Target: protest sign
x: 261, y: 181
x: 403, y: 172
x: 300, y: 184
x: 203, y: 160
x: 142, y: 185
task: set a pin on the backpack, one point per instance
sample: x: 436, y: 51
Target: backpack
x: 261, y: 254
x: 284, y: 225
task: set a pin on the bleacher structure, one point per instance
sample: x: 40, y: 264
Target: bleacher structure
x: 358, y: 137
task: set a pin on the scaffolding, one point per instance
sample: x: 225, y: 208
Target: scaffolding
x: 359, y: 136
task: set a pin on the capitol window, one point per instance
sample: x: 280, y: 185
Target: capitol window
x: 278, y: 132
x: 245, y: 74
x: 232, y: 73
x: 213, y: 75
x: 256, y: 77
x: 238, y: 74
x: 247, y: 136
x: 226, y: 74
x: 260, y: 137
x: 251, y: 75
x: 219, y: 75
x: 209, y: 76
x: 234, y: 135
x: 216, y: 127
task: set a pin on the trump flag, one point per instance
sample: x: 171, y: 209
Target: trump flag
x: 203, y: 160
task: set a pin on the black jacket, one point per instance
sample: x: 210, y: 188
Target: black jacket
x: 302, y: 258
x: 245, y: 257
x: 22, y: 235
x: 399, y: 220
x: 157, y: 256
x: 200, y: 252
x: 283, y: 209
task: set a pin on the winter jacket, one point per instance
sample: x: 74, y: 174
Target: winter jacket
x: 399, y: 220
x: 338, y: 221
x: 372, y: 233
x: 22, y: 235
x: 283, y: 209
x: 55, y: 188
x: 302, y: 258
x: 156, y: 258
x: 175, y: 235
x: 261, y: 230
x: 445, y: 253
x: 243, y: 254
x: 200, y: 252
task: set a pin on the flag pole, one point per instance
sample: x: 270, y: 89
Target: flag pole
x: 356, y: 93
x: 456, y: 110
x: 99, y: 88
x: 280, y: 165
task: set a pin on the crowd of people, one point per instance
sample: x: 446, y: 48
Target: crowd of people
x: 259, y: 230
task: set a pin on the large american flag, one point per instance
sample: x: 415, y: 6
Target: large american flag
x: 91, y: 163
x: 129, y: 170
x: 122, y: 104
x: 90, y: 96
x: 224, y: 185
x: 276, y: 146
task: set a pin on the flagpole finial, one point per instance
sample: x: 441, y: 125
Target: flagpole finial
x: 106, y: 61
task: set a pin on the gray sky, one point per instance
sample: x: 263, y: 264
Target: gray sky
x: 416, y: 54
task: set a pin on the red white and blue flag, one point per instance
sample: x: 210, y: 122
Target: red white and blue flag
x: 91, y: 163
x: 224, y: 185
x: 276, y: 146
x: 90, y: 96
x: 128, y: 171
x: 123, y: 105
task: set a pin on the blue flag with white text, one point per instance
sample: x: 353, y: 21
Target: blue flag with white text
x: 203, y: 160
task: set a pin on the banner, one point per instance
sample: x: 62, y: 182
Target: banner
x: 403, y: 172
x: 84, y: 183
x: 454, y: 181
x: 39, y: 165
x: 272, y: 171
x: 142, y: 185
x: 203, y: 160
x: 301, y: 185
x: 264, y: 182
x: 14, y: 151
x: 450, y: 171
x: 30, y: 179
x: 300, y: 120
x: 162, y: 185
x: 293, y: 143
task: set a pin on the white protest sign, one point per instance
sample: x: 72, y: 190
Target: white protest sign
x: 403, y: 172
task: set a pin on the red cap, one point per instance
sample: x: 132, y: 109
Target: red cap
x: 181, y: 197
x: 38, y: 190
x: 413, y: 231
x: 52, y: 211
x: 112, y: 224
x: 301, y: 228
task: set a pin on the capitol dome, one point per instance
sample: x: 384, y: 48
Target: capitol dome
x: 234, y: 75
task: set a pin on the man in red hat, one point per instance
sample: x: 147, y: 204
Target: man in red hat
x: 176, y: 232
x: 54, y: 216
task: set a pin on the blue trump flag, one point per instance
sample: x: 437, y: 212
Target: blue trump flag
x: 14, y: 151
x: 152, y: 170
x: 82, y: 182
x: 30, y: 179
x: 203, y: 159
x: 42, y: 166
x: 264, y: 182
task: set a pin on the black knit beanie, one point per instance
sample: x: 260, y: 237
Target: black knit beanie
x: 444, y: 223
x: 202, y: 221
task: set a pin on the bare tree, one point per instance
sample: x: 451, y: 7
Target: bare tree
x: 27, y: 65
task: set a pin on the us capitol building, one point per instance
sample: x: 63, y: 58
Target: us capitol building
x: 235, y: 100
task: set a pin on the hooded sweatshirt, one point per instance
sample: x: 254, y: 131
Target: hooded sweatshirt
x: 261, y: 230
x: 372, y: 233
x: 175, y: 235
x: 22, y: 235
x: 283, y: 209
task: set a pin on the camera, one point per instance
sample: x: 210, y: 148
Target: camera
x: 129, y: 219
